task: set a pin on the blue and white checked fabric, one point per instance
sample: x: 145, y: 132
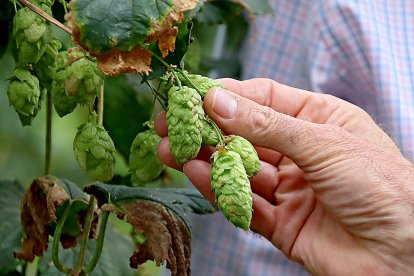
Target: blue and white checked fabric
x: 359, y: 50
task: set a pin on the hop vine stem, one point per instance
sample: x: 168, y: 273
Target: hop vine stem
x: 48, y: 150
x: 45, y: 16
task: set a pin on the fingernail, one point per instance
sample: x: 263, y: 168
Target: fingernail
x: 224, y: 104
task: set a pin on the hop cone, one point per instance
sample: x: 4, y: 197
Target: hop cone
x: 247, y: 153
x: 63, y: 103
x: 24, y: 93
x: 184, y: 123
x: 209, y: 135
x: 83, y: 79
x: 144, y: 163
x: 95, y: 151
x: 46, y: 66
x: 32, y: 34
x: 201, y: 82
x: 231, y: 186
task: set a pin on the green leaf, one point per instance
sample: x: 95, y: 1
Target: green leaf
x: 11, y: 193
x: 105, y: 25
x: 114, y: 258
x: 125, y: 112
x: 181, y: 201
x: 122, y: 34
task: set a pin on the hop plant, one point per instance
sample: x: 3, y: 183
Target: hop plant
x: 83, y: 79
x: 46, y: 66
x: 95, y: 151
x: 231, y: 187
x: 201, y: 82
x: 24, y: 94
x: 63, y: 103
x: 32, y: 34
x: 209, y: 134
x: 247, y: 153
x: 144, y: 163
x: 184, y: 123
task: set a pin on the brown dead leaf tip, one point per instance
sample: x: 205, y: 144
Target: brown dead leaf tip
x: 166, y: 33
x: 40, y: 203
x: 167, y: 237
x: 116, y: 62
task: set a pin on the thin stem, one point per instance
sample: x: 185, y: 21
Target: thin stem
x: 100, y: 241
x: 56, y: 239
x: 48, y: 151
x: 32, y: 268
x: 46, y: 16
x: 101, y: 105
x: 217, y: 129
x: 157, y: 96
x: 65, y: 6
x: 85, y: 236
x: 156, y: 91
x: 169, y: 67
x: 191, y: 82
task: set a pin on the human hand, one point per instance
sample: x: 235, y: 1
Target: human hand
x: 334, y: 192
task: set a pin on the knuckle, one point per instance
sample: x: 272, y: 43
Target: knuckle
x: 263, y: 120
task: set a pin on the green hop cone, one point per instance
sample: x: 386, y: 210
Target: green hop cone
x: 209, y: 134
x: 184, y: 123
x: 201, y: 82
x: 24, y: 94
x: 95, y: 151
x: 247, y: 153
x: 46, y: 66
x: 63, y: 103
x: 231, y: 187
x: 144, y: 163
x: 32, y: 34
x: 83, y: 79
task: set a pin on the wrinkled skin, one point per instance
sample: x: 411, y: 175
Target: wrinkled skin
x: 334, y: 192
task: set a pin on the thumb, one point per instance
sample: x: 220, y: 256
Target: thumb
x: 302, y: 141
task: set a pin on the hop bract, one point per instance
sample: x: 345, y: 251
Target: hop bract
x: 32, y: 34
x: 201, y: 82
x: 247, y: 153
x: 184, y: 123
x: 95, y: 151
x: 83, y: 79
x: 209, y: 134
x: 144, y: 163
x: 24, y: 92
x: 63, y: 103
x: 46, y: 66
x: 231, y: 187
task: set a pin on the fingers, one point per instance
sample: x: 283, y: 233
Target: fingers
x: 166, y: 157
x: 198, y: 172
x: 309, y: 106
x: 262, y: 125
x: 160, y: 124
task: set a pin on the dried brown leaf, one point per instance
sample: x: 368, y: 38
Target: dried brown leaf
x: 167, y: 238
x: 116, y: 62
x: 39, y: 207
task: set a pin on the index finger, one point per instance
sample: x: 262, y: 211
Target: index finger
x: 302, y: 104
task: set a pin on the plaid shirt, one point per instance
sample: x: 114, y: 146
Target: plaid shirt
x: 359, y: 50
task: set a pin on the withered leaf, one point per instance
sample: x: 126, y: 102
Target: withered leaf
x: 167, y: 239
x: 161, y: 215
x: 122, y: 30
x: 42, y: 205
